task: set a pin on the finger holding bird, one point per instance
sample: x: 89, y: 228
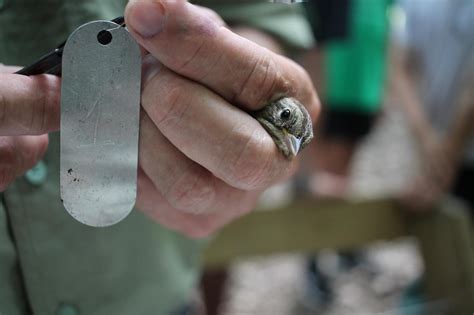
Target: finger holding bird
x: 208, y: 84
x: 213, y: 133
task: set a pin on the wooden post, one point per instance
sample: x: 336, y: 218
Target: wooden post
x: 445, y: 238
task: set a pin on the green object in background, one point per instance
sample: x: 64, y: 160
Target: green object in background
x: 412, y: 300
x: 37, y: 174
x: 66, y: 309
x: 355, y: 67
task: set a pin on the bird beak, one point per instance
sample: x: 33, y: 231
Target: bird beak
x: 292, y: 142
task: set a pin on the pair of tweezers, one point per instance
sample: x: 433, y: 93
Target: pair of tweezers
x: 51, y: 62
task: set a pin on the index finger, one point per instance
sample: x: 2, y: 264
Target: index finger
x: 194, y: 45
x: 29, y: 105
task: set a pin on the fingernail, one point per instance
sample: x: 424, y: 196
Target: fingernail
x: 146, y: 17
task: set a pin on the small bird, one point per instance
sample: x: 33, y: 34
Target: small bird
x: 289, y: 124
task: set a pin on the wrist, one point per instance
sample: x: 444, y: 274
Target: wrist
x: 453, y: 151
x: 427, y: 140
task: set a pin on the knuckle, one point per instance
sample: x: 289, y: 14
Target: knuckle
x: 261, y: 82
x: 170, y: 107
x: 24, y: 118
x: 253, y: 167
x: 310, y: 97
x: 195, y: 55
x: 301, y: 72
x: 37, y: 123
x: 192, y: 193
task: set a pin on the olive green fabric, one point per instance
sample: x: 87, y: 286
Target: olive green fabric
x: 280, y: 20
x: 134, y: 267
x: 11, y: 291
x: 355, y: 67
x: 50, y: 263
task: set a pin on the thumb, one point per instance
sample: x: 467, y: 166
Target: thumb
x: 29, y: 105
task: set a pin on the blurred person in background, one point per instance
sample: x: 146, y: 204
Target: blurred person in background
x: 433, y: 73
x: 352, y: 38
x: 349, y: 67
x: 432, y: 76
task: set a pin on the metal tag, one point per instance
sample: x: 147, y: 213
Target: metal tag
x: 100, y: 107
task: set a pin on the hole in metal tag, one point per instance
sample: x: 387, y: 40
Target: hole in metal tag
x: 100, y: 107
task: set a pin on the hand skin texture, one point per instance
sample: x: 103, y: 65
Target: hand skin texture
x: 29, y: 109
x: 203, y: 160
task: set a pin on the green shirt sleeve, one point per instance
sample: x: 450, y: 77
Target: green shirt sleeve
x: 286, y: 22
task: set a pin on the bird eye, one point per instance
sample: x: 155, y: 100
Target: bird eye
x: 285, y: 114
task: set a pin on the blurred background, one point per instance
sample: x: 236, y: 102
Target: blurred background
x: 378, y: 221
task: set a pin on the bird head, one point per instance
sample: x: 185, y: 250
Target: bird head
x: 289, y: 124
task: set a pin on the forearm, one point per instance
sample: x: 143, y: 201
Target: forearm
x: 462, y: 128
x: 412, y: 109
x: 403, y: 85
x: 461, y: 132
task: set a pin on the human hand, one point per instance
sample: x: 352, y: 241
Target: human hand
x: 435, y: 180
x: 29, y: 109
x: 438, y: 162
x: 203, y: 159
x: 420, y: 195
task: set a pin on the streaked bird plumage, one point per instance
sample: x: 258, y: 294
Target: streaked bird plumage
x: 289, y: 124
